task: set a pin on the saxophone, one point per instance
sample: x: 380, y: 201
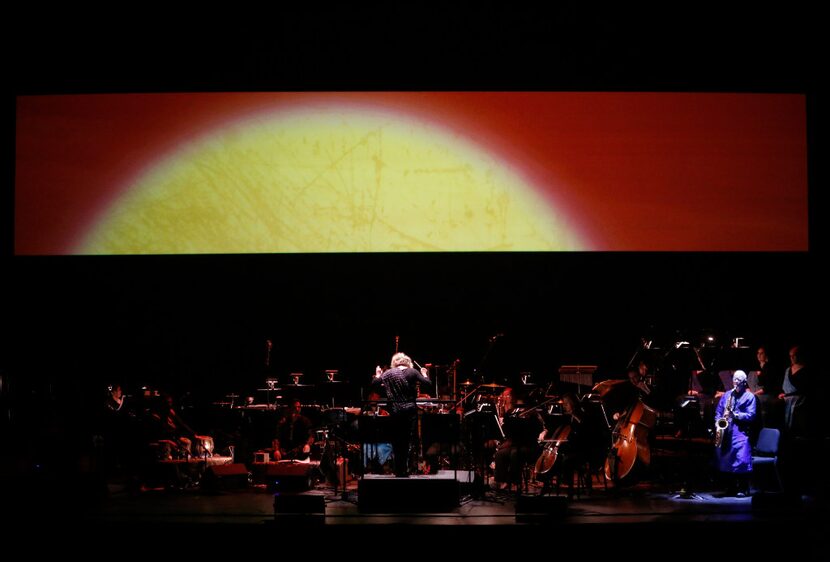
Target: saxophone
x: 723, y: 422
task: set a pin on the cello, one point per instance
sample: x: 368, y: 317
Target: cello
x: 547, y: 460
x: 553, y: 448
x: 630, y: 442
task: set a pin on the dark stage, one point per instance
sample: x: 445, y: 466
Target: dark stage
x: 211, y: 330
x: 330, y: 521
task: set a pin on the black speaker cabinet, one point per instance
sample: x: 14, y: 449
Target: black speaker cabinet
x: 226, y: 477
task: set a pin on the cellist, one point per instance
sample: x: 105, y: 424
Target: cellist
x: 520, y: 443
x: 568, y: 444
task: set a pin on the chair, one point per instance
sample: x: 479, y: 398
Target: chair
x: 765, y: 453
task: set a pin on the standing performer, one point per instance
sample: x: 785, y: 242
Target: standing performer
x: 733, y: 419
x: 400, y: 383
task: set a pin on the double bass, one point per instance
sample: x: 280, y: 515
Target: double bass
x: 630, y: 441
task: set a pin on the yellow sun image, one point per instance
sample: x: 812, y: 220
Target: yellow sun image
x: 329, y: 179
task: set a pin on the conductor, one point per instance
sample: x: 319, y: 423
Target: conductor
x: 400, y: 384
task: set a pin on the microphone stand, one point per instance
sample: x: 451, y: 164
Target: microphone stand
x: 685, y: 492
x: 490, y: 345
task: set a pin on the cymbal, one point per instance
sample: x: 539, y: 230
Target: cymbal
x: 269, y: 389
x: 231, y: 396
x: 467, y: 383
x: 492, y: 385
x: 296, y: 385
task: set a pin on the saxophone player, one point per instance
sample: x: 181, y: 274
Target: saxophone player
x: 733, y: 418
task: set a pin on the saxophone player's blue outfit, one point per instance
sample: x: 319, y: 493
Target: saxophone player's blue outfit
x: 735, y: 454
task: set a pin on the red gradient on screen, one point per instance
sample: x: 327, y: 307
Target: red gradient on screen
x: 654, y: 171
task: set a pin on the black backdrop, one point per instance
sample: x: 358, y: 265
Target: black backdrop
x: 200, y: 323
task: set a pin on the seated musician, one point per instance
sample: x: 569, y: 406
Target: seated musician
x: 294, y: 437
x: 572, y: 449
x: 168, y: 427
x: 520, y: 444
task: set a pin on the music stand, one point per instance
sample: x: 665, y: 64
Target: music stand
x: 271, y: 385
x: 692, y: 398
x: 481, y: 425
x: 337, y: 423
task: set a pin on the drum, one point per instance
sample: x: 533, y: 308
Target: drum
x: 334, y: 416
x: 162, y: 450
x: 167, y: 450
x: 202, y: 446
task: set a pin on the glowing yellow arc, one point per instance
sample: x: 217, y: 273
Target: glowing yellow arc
x: 329, y: 180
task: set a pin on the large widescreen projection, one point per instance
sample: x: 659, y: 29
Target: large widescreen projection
x: 302, y: 172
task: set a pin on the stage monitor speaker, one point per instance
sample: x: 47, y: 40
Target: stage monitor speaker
x: 542, y: 505
x: 226, y: 477
x: 420, y: 494
x: 290, y: 476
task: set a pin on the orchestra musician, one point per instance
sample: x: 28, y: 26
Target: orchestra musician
x: 569, y: 441
x: 115, y: 398
x: 520, y: 444
x: 118, y: 432
x: 798, y: 392
x: 769, y: 387
x: 400, y: 383
x: 737, y: 409
x: 627, y: 395
x: 169, y: 427
x: 294, y: 437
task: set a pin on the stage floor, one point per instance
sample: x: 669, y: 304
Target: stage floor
x: 648, y: 517
x: 643, y: 503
